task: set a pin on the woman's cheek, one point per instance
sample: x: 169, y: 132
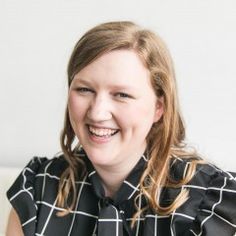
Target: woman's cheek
x: 73, y: 112
x: 72, y: 101
x: 127, y: 117
x: 74, y: 104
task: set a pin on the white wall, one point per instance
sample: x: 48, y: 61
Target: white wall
x: 36, y: 38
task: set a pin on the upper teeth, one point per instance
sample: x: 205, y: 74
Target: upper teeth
x: 101, y: 131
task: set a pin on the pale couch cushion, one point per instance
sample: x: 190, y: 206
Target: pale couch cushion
x: 7, y: 177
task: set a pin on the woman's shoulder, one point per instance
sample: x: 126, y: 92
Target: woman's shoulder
x: 49, y: 166
x: 36, y: 167
x: 204, y: 171
x: 212, y: 197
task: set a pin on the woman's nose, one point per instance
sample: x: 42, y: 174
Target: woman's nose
x: 99, y: 110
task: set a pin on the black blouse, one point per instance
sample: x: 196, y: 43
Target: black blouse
x: 210, y: 209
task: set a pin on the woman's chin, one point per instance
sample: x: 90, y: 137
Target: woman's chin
x: 99, y: 157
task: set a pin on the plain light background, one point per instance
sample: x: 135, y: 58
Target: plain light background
x: 37, y: 37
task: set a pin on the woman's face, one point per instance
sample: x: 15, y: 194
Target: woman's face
x: 112, y: 107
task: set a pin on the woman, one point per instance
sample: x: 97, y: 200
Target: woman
x: 125, y: 169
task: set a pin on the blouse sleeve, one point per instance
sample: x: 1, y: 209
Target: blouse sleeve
x: 217, y: 211
x: 21, y: 195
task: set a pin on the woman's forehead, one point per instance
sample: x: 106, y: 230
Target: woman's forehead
x: 122, y: 67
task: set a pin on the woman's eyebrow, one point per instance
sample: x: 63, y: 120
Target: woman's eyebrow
x: 123, y: 87
x: 81, y: 80
x: 113, y: 86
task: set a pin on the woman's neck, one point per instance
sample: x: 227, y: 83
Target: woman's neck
x: 113, y: 176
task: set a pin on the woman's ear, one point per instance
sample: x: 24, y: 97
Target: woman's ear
x: 159, y: 109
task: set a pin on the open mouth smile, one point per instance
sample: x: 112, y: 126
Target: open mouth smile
x: 102, y: 132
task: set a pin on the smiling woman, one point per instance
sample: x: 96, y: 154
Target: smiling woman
x: 125, y: 168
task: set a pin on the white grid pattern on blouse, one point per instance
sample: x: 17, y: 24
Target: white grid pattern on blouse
x: 117, y: 220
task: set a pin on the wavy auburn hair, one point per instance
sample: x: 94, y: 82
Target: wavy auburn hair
x: 166, y: 137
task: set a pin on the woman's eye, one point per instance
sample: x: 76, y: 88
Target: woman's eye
x: 83, y: 90
x: 123, y: 95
